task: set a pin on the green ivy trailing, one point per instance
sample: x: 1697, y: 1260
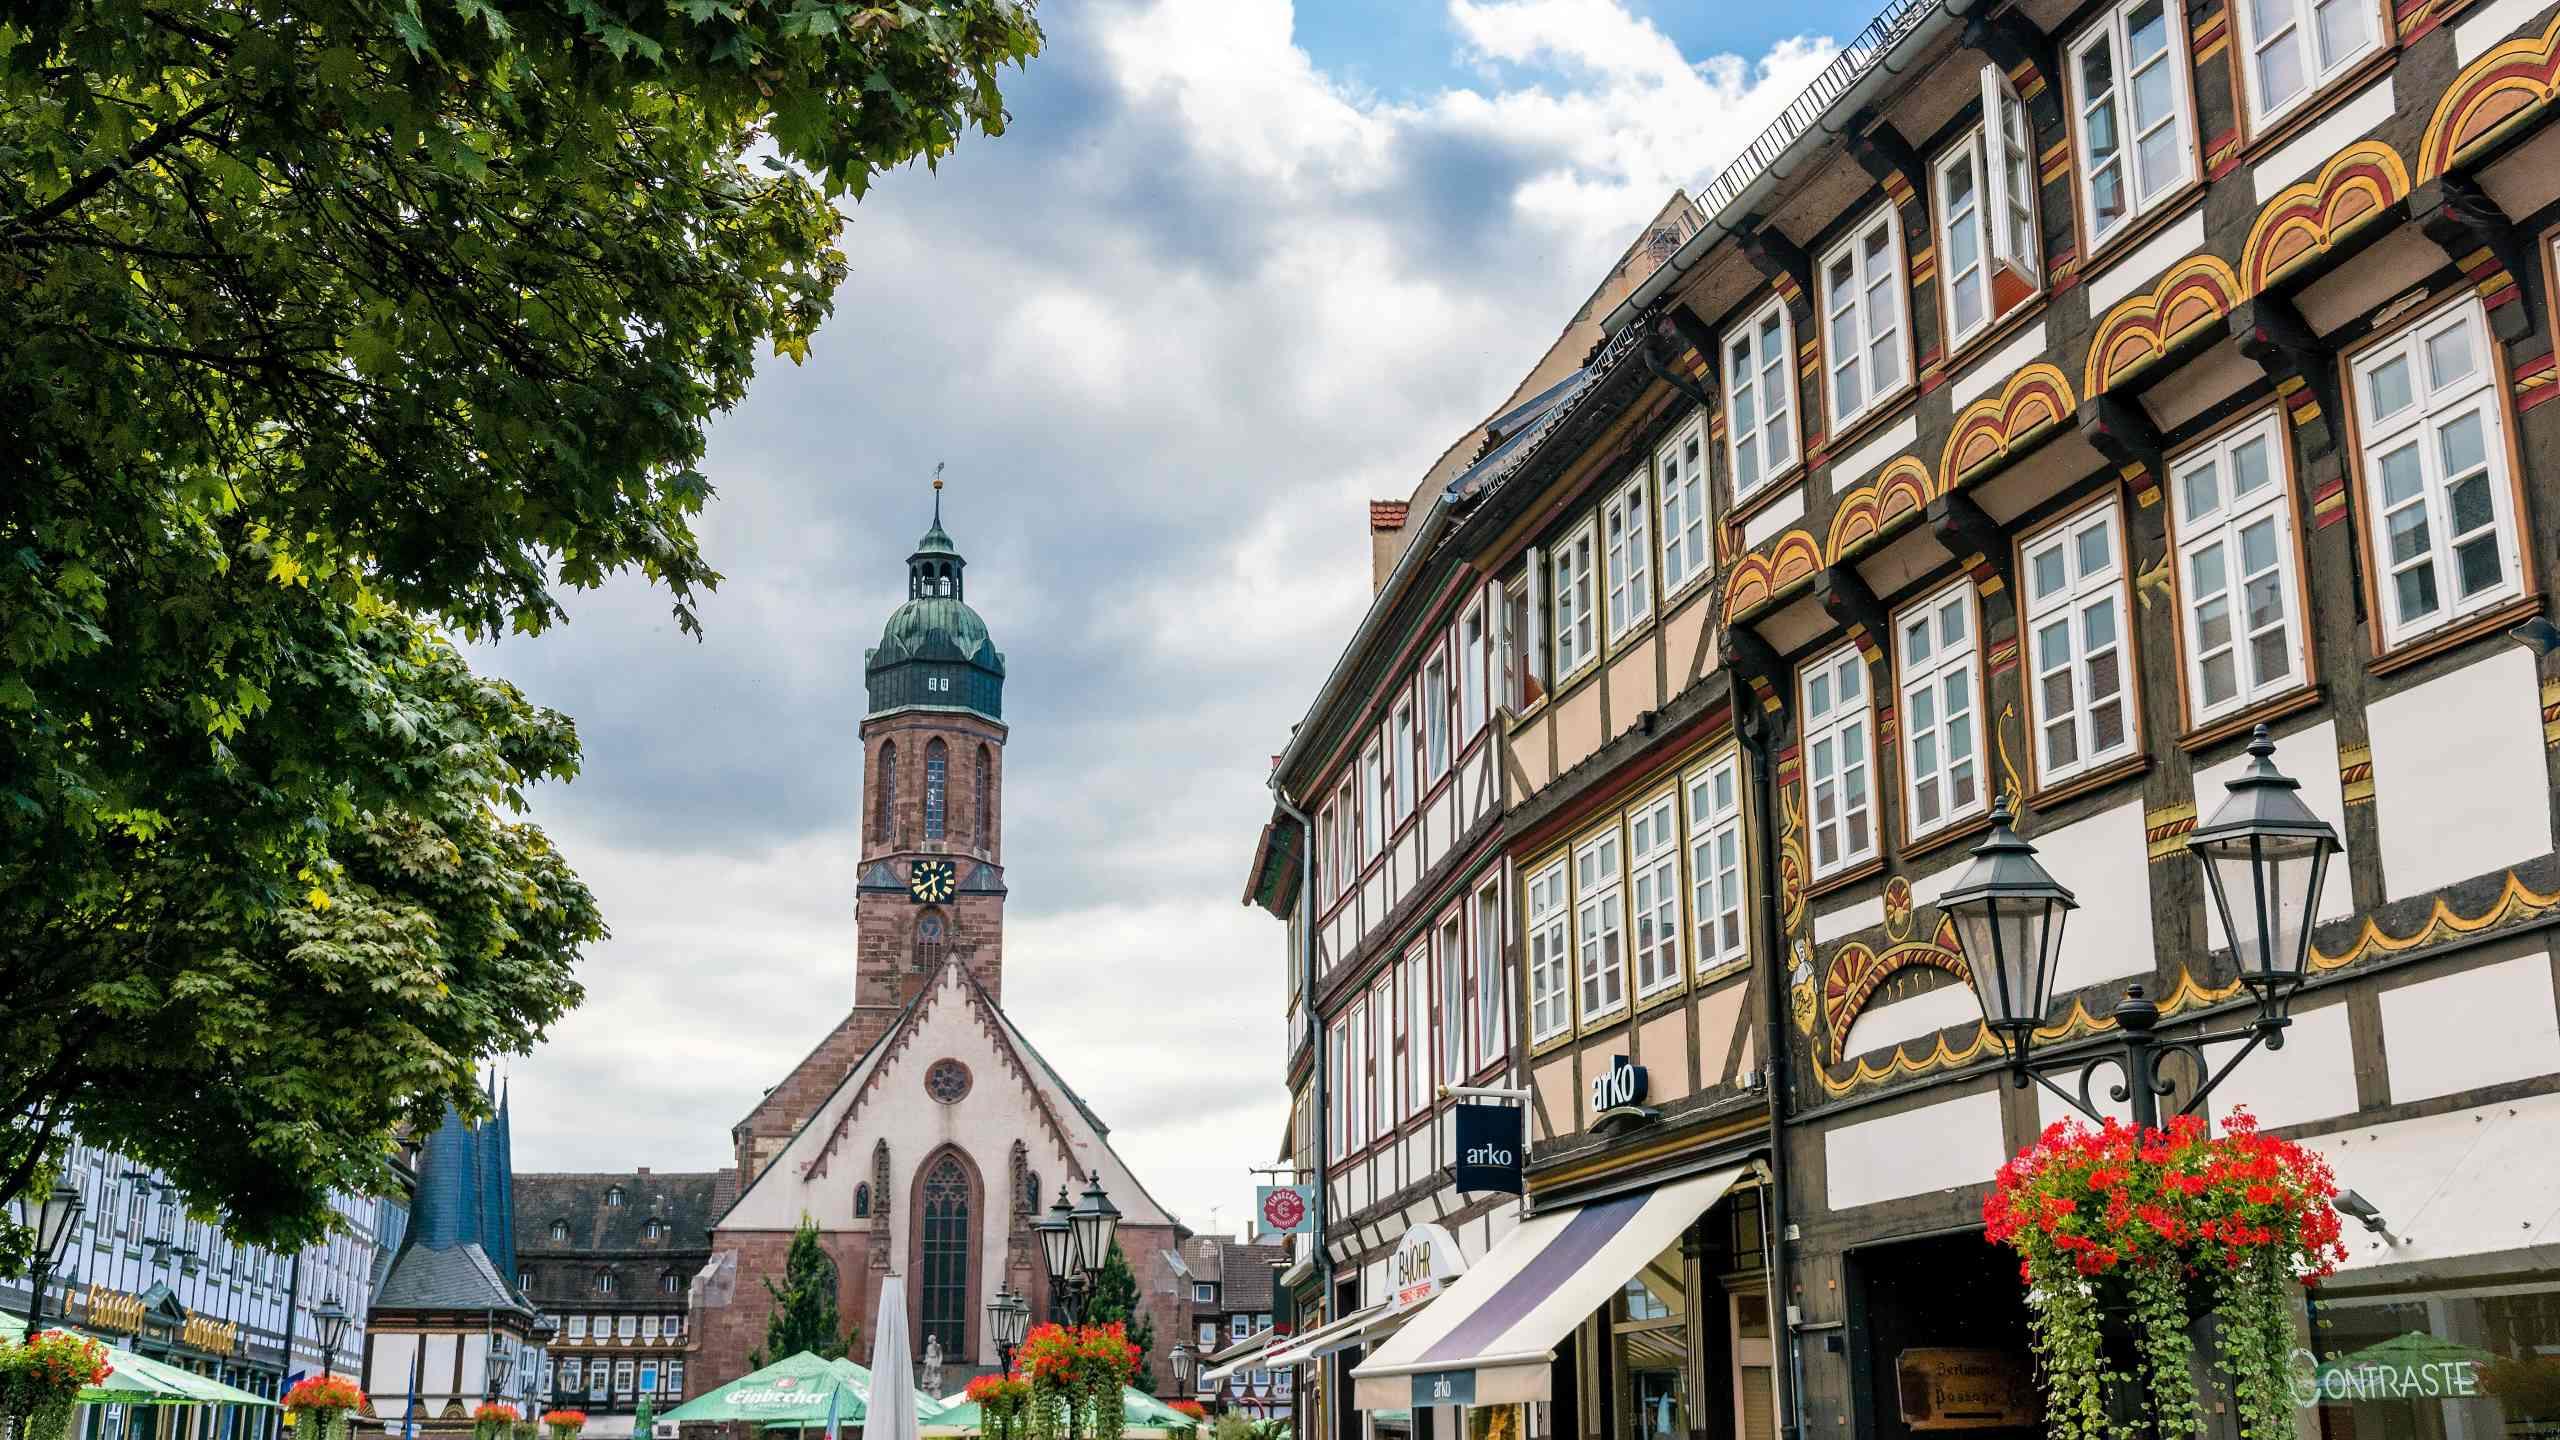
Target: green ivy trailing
x: 2120, y: 1219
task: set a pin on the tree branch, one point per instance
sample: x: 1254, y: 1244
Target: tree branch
x: 97, y: 180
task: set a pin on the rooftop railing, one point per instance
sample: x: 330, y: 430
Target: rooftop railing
x: 1854, y: 60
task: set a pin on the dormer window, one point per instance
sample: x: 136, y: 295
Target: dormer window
x: 652, y: 1230
x: 559, y: 1232
x: 613, y: 1197
x: 604, y: 1282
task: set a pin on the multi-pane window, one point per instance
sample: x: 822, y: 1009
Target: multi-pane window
x: 572, y: 1373
x: 1374, y: 807
x: 1572, y: 594
x: 2009, y: 180
x: 1337, y: 1131
x: 1862, y: 317
x: 1838, y: 758
x: 2075, y: 643
x: 2235, y: 571
x: 1516, y: 640
x: 623, y: 1372
x: 1451, y: 1012
x: 1941, y: 686
x: 1682, y: 464
x: 2435, y: 465
x: 1488, y: 974
x: 1417, y: 1032
x: 1599, y: 926
x: 2293, y: 47
x: 1550, y: 1002
x: 1629, y: 555
x: 1472, y: 665
x: 937, y: 775
x: 1400, y: 758
x: 1381, y: 1055
x: 1653, y: 864
x: 943, y: 1304
x: 1715, y: 864
x: 649, y: 1377
x: 1963, y: 246
x: 671, y: 1382
x: 1435, y: 718
x: 1346, y: 810
x: 1356, y: 1097
x: 2128, y: 75
x: 1759, y: 377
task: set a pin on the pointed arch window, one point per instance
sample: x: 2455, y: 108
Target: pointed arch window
x: 986, y: 831
x: 943, y: 1300
x: 931, y: 939
x: 937, y: 770
x: 862, y: 1201
x: 885, y: 804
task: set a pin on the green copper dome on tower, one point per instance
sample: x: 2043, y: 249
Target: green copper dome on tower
x: 935, y: 652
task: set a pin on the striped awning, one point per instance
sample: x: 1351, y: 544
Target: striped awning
x: 1491, y: 1336
x: 1249, y: 1354
x: 1323, y: 1340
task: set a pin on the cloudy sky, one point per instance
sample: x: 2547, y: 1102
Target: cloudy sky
x: 1235, y: 270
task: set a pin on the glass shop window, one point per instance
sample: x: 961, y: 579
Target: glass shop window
x: 1649, y: 1332
x: 2479, y: 1362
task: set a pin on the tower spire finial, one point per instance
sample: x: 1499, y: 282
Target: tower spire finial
x: 937, y: 491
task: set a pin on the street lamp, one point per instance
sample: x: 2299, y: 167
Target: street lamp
x: 55, y: 1216
x: 331, y: 1322
x: 1097, y: 1223
x: 1008, y: 1316
x: 2263, y: 852
x: 1074, y: 1242
x: 1186, y: 1363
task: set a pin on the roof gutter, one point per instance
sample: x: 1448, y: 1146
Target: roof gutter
x: 1815, y: 138
x: 1434, y: 520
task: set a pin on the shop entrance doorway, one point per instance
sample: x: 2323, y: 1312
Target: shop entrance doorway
x: 1937, y: 1339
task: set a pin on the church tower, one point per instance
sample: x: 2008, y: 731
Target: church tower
x: 932, y: 878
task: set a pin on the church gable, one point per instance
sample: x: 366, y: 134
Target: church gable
x: 951, y: 1069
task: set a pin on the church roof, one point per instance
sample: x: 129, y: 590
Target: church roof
x: 934, y: 652
x: 459, y: 1251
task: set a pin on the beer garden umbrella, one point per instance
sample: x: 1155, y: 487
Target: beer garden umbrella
x: 791, y: 1393
x: 134, y: 1379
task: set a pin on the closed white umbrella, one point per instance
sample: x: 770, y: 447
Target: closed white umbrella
x: 892, y: 1413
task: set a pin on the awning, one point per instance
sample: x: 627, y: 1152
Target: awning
x: 1246, y: 1355
x: 2461, y: 1193
x: 1339, y: 1334
x: 1492, y: 1334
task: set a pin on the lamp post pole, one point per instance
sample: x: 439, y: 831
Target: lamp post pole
x: 2264, y: 856
x: 1075, y: 1243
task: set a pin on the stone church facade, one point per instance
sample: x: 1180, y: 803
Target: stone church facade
x: 924, y: 1132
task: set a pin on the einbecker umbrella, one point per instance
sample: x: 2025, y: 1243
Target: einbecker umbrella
x: 892, y: 1413
x: 791, y: 1392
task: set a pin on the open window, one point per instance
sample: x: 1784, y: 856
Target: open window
x: 2017, y: 257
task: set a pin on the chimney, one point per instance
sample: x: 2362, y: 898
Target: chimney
x: 1386, y: 540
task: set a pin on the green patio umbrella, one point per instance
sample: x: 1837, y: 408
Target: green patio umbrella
x: 134, y: 1379
x: 2412, y: 1366
x: 789, y: 1394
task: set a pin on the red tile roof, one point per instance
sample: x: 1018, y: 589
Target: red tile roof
x: 1387, y: 514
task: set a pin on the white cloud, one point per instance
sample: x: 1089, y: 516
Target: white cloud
x: 1170, y: 333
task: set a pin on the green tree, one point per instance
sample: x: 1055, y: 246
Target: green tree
x: 323, y: 324
x: 1115, y: 1297
x: 804, y: 1316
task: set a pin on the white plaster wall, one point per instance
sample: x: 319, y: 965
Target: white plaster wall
x: 2486, y: 25
x: 393, y: 1355
x: 1773, y: 521
x: 2479, y: 1027
x: 1849, y: 919
x: 2101, y: 859
x: 2137, y: 270
x: 475, y: 1364
x: 2312, y: 1078
x: 2311, y: 757
x: 2312, y: 148
x: 2459, y: 784
x: 1993, y: 370
x: 1912, y: 1017
x: 1936, y: 1147
x: 1858, y: 464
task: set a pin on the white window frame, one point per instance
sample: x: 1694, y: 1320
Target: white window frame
x: 1413, y: 1007
x: 1475, y: 655
x: 1653, y: 892
x: 1922, y: 683
x: 2220, y: 527
x: 1574, y: 589
x: 1754, y: 375
x: 1517, y: 646
x: 1402, y: 741
x: 1550, y: 953
x: 1346, y: 804
x: 1600, y: 926
x: 2010, y: 177
x: 1968, y: 151
x: 2112, y: 31
x: 2298, y: 24
x: 577, y: 1327
x: 1719, y: 867
x: 1843, y: 728
x: 1435, y: 718
x: 2432, y: 411
x: 1627, y: 522
x: 1449, y: 1012
x: 1680, y: 467
x: 1338, y: 1067
x: 2084, y: 591
x: 1485, y: 1022
x: 573, y: 1374
x: 1861, y: 310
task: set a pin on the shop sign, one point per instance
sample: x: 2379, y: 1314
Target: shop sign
x: 203, y: 1332
x: 1618, y: 1093
x: 1286, y: 1209
x: 2412, y: 1367
x: 1426, y: 1260
x: 1444, y: 1387
x: 1947, y: 1388
x: 104, y: 1309
x: 1489, y: 1146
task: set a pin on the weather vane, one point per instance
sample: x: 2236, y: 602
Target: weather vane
x: 937, y: 491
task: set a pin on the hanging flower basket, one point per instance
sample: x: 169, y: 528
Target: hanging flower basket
x: 2141, y: 1226
x: 493, y: 1420
x: 1003, y: 1403
x: 320, y: 1406
x: 41, y: 1380
x: 564, y: 1424
x: 1077, y: 1371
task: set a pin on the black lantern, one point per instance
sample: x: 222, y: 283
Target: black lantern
x: 1097, y: 1223
x: 55, y: 1217
x: 329, y: 1326
x: 1186, y: 1363
x: 2265, y: 855
x: 2008, y: 914
x: 1056, y: 1229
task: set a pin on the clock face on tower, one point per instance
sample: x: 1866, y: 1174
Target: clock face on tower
x: 930, y: 881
